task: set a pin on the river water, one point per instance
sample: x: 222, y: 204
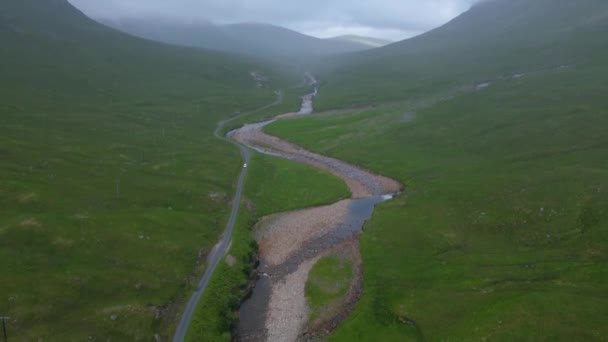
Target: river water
x: 254, y: 310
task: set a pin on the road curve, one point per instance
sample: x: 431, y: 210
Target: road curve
x: 222, y: 247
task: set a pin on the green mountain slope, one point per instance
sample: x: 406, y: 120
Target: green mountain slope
x: 502, y: 232
x: 262, y: 40
x: 196, y: 34
x: 494, y: 39
x: 112, y: 186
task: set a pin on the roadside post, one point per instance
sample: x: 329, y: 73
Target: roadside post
x: 4, y: 327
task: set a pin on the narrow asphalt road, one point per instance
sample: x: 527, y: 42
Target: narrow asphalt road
x: 221, y: 249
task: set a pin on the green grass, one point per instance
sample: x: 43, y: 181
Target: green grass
x: 279, y: 185
x: 502, y: 232
x: 273, y: 185
x: 215, y: 312
x: 328, y: 282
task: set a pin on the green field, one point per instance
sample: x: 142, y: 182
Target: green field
x: 327, y: 284
x: 279, y: 185
x: 502, y: 231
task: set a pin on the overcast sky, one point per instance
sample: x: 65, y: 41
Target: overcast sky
x: 390, y: 19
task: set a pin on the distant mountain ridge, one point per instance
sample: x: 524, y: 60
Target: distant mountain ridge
x: 369, y: 41
x: 493, y: 39
x: 255, y: 39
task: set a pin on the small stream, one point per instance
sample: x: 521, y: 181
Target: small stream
x: 307, y: 100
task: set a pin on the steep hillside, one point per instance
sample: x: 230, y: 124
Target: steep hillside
x: 261, y: 40
x: 494, y: 39
x: 113, y: 188
x: 50, y: 17
x: 195, y: 34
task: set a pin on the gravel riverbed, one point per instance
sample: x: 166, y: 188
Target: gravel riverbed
x: 291, y: 243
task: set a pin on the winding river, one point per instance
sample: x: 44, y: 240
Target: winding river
x: 291, y: 243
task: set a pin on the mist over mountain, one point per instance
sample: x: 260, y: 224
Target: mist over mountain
x: 369, y: 41
x: 387, y: 19
x: 254, y: 39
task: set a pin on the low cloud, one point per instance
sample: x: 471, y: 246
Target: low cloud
x: 391, y: 19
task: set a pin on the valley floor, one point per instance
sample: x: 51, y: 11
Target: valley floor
x: 292, y: 243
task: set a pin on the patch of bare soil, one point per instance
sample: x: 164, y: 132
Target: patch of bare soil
x: 30, y: 222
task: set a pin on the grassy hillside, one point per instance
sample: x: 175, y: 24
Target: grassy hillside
x: 197, y: 34
x: 502, y: 232
x: 262, y: 40
x: 113, y: 187
x: 494, y: 39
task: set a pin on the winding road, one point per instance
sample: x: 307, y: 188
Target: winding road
x: 223, y: 246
